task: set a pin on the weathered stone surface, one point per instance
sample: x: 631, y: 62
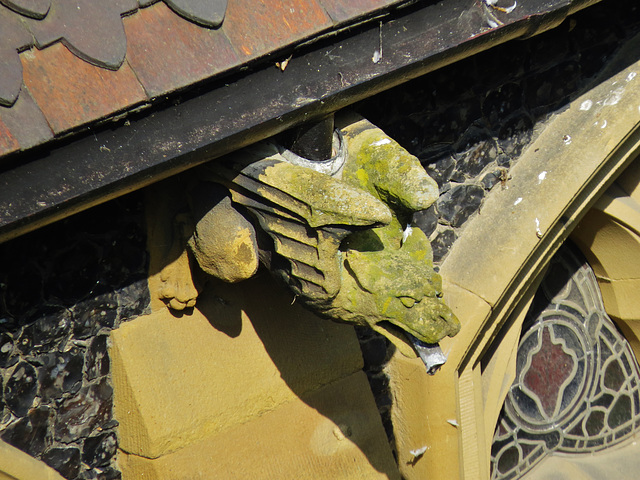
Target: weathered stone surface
x: 57, y: 340
x: 98, y: 363
x: 79, y: 415
x: 107, y: 473
x: 310, y: 217
x: 439, y: 164
x: 442, y: 243
x: 336, y: 434
x: 65, y: 461
x: 224, y: 242
x: 474, y: 160
x: 16, y: 464
x: 374, y: 351
x: 271, y: 350
x: 50, y: 329
x: 551, y: 87
x: 21, y: 388
x: 133, y: 299
x: 7, y: 351
x: 93, y: 314
x: 59, y: 373
x: 459, y: 203
x: 379, y: 383
x: 515, y: 134
x: 502, y: 102
x: 426, y: 220
x: 98, y: 451
x: 492, y: 178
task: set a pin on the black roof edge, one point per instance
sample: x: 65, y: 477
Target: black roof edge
x: 45, y: 185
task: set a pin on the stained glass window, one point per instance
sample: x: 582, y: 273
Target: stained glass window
x: 576, y: 386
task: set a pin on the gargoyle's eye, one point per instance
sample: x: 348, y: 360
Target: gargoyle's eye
x: 407, y: 301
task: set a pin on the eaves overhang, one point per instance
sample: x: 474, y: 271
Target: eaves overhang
x: 174, y: 132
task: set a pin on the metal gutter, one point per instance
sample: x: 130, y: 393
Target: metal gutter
x: 222, y: 117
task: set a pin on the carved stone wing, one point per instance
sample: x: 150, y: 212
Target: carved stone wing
x: 307, y: 215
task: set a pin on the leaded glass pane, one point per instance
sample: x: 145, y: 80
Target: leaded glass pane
x: 576, y: 386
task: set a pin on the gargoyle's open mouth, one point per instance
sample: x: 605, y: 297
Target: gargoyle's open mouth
x: 430, y: 353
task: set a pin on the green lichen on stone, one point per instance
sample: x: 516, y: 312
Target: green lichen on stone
x: 349, y: 252
x: 325, y: 200
x: 389, y: 277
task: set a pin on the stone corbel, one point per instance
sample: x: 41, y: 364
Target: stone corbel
x: 337, y: 233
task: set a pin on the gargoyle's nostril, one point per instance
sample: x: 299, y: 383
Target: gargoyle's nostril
x: 408, y: 301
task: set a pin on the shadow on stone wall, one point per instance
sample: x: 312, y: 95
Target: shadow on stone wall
x: 62, y: 289
x: 309, y: 353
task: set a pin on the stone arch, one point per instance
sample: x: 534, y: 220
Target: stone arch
x: 494, y: 268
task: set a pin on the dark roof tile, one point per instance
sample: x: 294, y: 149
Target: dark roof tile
x: 167, y: 52
x: 29, y: 8
x: 26, y: 121
x: 209, y: 13
x: 14, y: 37
x: 8, y: 143
x: 91, y: 29
x: 346, y: 10
x: 71, y: 92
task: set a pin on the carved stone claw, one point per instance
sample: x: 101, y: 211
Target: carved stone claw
x: 177, y: 289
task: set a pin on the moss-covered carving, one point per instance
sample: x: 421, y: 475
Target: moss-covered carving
x: 342, y: 244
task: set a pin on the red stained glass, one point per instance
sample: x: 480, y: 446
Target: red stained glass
x: 550, y: 368
x: 577, y: 387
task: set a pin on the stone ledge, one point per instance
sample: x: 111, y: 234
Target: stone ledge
x: 243, y: 352
x: 335, y: 433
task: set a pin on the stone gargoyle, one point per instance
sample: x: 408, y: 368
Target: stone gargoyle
x: 337, y: 233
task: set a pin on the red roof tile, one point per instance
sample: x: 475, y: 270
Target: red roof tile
x: 71, y: 92
x: 257, y: 28
x: 87, y: 61
x: 26, y: 121
x: 167, y: 52
x: 8, y: 143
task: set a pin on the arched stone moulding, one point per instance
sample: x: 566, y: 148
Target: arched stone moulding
x: 609, y: 236
x: 494, y: 269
